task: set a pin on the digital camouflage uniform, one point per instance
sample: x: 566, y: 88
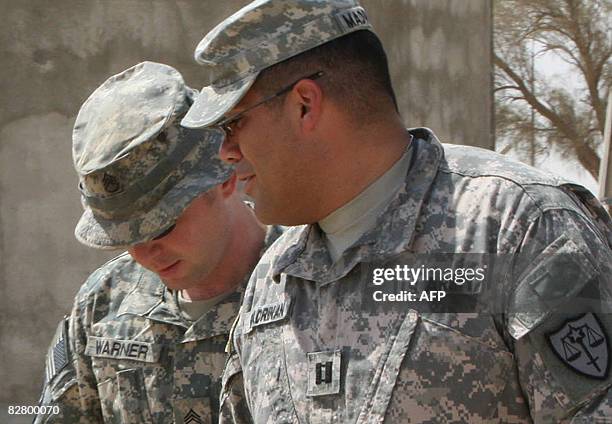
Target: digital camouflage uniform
x: 310, y: 344
x: 410, y: 363
x: 130, y: 356
x: 126, y: 354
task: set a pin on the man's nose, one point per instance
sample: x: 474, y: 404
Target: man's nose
x: 230, y: 151
x: 146, y: 252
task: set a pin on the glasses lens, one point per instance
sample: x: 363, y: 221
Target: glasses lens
x: 227, y: 129
x: 228, y: 126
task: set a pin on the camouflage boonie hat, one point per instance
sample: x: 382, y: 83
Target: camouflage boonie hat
x: 138, y: 169
x: 261, y: 34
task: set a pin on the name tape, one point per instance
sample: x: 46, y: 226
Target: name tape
x: 121, y: 349
x: 267, y: 314
x: 352, y: 19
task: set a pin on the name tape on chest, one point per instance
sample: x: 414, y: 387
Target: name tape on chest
x: 121, y: 349
x: 267, y: 314
x: 352, y: 19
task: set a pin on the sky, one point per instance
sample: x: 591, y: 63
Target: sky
x: 559, y: 73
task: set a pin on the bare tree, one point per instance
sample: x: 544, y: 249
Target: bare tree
x: 577, y: 31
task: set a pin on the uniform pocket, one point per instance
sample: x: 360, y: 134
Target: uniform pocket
x: 124, y: 398
x: 267, y: 384
x: 446, y: 373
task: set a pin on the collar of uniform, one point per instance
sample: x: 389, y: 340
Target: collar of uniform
x: 150, y: 299
x: 168, y: 310
x: 398, y: 220
x: 272, y: 233
x: 218, y: 320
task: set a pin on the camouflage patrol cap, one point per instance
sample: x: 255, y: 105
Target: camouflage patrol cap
x: 261, y: 34
x: 138, y: 169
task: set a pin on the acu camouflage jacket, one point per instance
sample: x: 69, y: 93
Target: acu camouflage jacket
x: 311, y: 346
x: 126, y: 354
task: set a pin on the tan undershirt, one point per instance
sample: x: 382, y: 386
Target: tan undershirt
x: 347, y: 224
x: 194, y: 309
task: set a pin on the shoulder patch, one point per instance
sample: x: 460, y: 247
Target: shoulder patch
x: 582, y: 345
x: 57, y: 356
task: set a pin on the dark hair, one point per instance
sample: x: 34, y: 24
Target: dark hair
x: 356, y: 73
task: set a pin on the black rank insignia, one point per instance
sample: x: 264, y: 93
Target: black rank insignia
x: 581, y: 344
x: 111, y: 183
x: 324, y: 373
x: 192, y: 418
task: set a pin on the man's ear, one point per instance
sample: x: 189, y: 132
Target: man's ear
x: 229, y: 186
x: 309, y: 97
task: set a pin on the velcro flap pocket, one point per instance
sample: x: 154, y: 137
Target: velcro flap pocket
x: 558, y: 275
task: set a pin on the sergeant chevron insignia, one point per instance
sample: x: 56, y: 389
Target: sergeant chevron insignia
x: 582, y: 345
x: 192, y: 418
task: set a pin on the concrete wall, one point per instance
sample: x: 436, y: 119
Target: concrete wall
x: 440, y: 56
x: 55, y: 53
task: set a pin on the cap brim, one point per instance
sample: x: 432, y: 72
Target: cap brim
x: 212, y: 103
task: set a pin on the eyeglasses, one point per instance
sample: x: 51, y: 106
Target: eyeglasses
x: 165, y: 232
x: 230, y: 122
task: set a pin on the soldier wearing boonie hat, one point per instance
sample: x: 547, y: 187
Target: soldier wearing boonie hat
x: 137, y: 168
x: 315, y: 341
x: 127, y: 351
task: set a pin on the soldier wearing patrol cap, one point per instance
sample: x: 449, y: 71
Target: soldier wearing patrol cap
x: 302, y: 90
x: 146, y: 337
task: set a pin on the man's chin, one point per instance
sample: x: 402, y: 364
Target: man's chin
x: 265, y: 215
x: 278, y: 216
x: 176, y: 284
